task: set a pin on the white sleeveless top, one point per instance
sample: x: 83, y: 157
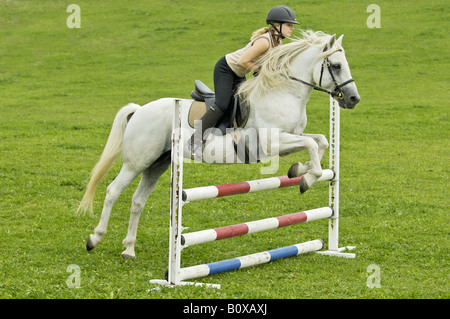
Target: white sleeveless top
x: 232, y: 58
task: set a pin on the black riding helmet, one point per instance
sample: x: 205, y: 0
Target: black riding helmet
x: 281, y: 14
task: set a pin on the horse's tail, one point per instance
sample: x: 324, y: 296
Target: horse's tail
x: 112, y: 149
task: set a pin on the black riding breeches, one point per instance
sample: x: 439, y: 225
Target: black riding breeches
x: 226, y: 83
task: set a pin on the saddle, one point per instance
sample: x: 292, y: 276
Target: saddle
x: 236, y: 115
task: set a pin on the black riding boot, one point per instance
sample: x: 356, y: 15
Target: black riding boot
x: 211, y: 117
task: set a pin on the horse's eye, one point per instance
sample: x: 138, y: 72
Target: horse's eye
x: 336, y: 66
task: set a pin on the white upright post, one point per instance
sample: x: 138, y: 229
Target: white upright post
x: 176, y: 188
x: 176, y: 203
x: 176, y: 207
x: 333, y: 226
x: 333, y: 233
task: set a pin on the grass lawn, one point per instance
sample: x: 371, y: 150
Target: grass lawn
x: 62, y: 87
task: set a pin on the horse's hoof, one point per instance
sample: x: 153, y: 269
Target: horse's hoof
x: 293, y: 171
x: 127, y: 256
x: 297, y: 169
x: 303, y: 186
x: 89, y: 244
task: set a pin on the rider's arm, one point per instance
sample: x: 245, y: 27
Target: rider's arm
x: 259, y: 47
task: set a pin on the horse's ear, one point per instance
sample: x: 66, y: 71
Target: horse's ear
x: 340, y: 39
x: 331, y: 43
x: 332, y: 40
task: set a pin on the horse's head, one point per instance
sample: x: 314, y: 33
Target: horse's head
x: 333, y: 74
x: 317, y: 60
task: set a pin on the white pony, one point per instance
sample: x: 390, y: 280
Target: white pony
x: 278, y: 97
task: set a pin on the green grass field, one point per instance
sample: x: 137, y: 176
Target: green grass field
x: 61, y: 88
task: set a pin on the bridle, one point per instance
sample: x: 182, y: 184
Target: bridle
x: 337, y: 93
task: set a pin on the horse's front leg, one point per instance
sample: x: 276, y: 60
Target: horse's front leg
x: 321, y: 141
x: 299, y: 169
x: 312, y: 171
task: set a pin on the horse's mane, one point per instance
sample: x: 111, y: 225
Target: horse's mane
x: 275, y: 66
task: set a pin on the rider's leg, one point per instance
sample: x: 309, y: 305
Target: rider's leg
x: 224, y: 82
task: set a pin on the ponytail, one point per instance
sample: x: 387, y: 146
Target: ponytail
x: 259, y: 32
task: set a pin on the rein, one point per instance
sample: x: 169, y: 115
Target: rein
x: 337, y: 93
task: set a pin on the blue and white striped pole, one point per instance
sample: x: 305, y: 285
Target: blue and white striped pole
x: 249, y: 260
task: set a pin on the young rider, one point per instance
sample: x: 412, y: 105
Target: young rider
x: 231, y: 69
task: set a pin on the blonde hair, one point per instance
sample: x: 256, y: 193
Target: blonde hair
x: 261, y: 31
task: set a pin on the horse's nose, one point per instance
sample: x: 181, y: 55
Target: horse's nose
x: 354, y: 99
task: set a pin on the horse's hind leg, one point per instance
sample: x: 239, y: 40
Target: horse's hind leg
x: 122, y: 181
x: 147, y: 184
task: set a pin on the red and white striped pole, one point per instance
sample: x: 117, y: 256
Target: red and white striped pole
x: 206, y: 192
x: 257, y: 226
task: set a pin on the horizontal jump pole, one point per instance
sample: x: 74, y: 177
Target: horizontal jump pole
x: 249, y: 260
x: 208, y: 235
x: 206, y: 192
